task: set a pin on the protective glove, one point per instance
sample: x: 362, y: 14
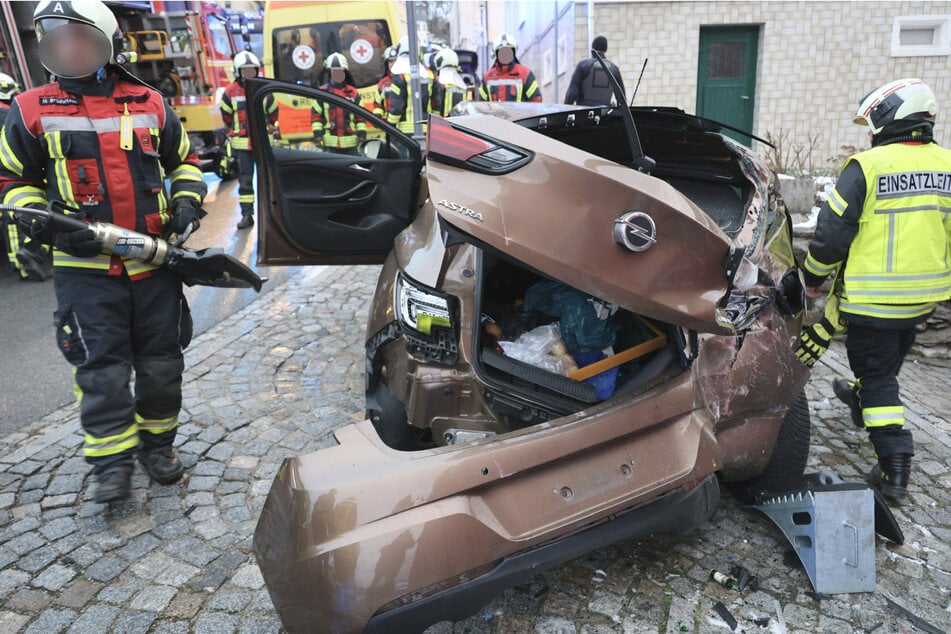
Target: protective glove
x: 319, y: 140
x: 33, y: 227
x: 185, y: 214
x: 815, y: 340
x: 361, y: 136
x: 81, y: 243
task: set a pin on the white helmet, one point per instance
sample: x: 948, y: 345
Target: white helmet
x: 245, y: 59
x: 391, y: 52
x: 77, y: 37
x: 402, y: 48
x: 504, y: 40
x: 8, y: 87
x: 904, y: 99
x: 446, y: 58
x: 336, y: 60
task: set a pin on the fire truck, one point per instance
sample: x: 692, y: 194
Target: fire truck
x: 184, y: 49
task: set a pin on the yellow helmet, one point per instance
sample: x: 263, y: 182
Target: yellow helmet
x: 901, y: 100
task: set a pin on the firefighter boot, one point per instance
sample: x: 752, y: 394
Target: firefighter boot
x: 163, y: 464
x: 890, y: 476
x: 115, y: 483
x: 847, y: 392
x: 247, y: 220
x: 35, y: 261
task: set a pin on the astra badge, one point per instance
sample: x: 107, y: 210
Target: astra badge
x: 465, y: 211
x: 635, y: 231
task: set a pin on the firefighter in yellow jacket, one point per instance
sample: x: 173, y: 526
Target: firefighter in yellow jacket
x: 885, y: 233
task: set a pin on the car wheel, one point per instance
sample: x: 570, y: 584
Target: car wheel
x: 790, y: 452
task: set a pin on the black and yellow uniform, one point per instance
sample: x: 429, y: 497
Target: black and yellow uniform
x: 887, y: 226
x: 29, y: 258
x: 105, y: 146
x: 234, y: 113
x: 402, y: 109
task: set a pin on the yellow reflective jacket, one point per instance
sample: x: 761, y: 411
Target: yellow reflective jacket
x: 900, y: 255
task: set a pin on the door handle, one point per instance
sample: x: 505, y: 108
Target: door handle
x: 744, y: 96
x: 349, y: 195
x: 360, y: 168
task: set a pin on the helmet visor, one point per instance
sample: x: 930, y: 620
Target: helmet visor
x: 71, y: 49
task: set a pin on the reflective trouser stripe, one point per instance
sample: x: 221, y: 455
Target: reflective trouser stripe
x: 340, y: 141
x: 246, y: 198
x: 156, y: 425
x: 112, y: 445
x: 882, y: 416
x: 13, y: 244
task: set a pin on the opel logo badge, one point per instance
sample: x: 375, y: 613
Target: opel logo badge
x: 635, y: 231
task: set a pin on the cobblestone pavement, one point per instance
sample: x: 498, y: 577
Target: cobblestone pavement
x: 275, y: 380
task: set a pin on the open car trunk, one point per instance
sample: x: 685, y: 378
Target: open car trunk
x: 561, y: 348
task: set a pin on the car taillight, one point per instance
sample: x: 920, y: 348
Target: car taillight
x: 457, y: 146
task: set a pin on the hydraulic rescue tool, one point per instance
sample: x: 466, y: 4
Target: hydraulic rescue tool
x: 204, y: 267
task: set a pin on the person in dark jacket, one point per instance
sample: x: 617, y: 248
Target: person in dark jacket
x: 590, y: 85
x: 103, y: 142
x: 30, y: 259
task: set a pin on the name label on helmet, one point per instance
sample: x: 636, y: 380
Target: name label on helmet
x: 910, y: 183
x: 58, y: 8
x: 59, y: 101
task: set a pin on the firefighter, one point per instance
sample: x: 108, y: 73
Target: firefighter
x: 402, y: 111
x: 508, y: 80
x: 234, y: 112
x: 382, y: 98
x: 30, y: 259
x: 590, y: 85
x: 336, y: 129
x: 885, y: 233
x: 449, y: 89
x: 99, y: 139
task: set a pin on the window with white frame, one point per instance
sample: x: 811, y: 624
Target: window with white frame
x: 921, y: 35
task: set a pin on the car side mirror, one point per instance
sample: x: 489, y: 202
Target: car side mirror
x: 371, y: 148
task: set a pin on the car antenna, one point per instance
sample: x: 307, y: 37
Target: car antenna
x: 641, y: 161
x: 639, y: 77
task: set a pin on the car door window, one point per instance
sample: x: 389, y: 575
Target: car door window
x: 313, y: 125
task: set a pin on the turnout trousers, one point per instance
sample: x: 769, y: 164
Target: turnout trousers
x: 107, y: 327
x: 876, y: 356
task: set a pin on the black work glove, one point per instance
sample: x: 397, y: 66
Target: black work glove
x: 33, y: 227
x: 81, y: 243
x: 361, y: 136
x: 185, y: 213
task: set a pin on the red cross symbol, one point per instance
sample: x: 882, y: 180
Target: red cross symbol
x: 362, y: 51
x: 304, y: 56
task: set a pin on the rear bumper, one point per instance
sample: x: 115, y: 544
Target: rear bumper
x: 678, y: 512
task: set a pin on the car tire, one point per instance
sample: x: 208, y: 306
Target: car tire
x: 790, y: 452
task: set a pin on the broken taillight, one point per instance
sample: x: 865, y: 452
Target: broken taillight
x: 453, y: 145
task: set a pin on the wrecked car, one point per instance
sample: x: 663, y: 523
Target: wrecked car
x: 584, y: 321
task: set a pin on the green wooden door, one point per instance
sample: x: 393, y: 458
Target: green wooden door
x: 726, y: 76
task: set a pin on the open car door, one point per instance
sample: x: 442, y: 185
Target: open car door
x: 331, y: 199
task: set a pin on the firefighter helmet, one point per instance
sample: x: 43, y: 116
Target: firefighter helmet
x: 505, y: 40
x: 906, y: 100
x: 391, y: 52
x: 76, y: 38
x: 446, y: 58
x: 402, y: 48
x: 246, y: 59
x: 336, y: 60
x: 8, y: 87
